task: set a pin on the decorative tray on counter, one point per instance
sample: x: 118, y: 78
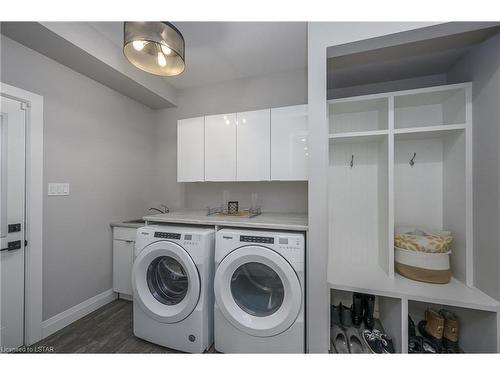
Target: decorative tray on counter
x: 222, y: 211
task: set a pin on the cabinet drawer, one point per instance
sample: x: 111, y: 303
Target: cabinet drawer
x: 125, y: 234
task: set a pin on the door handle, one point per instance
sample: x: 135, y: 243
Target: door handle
x: 12, y: 245
x: 13, y: 228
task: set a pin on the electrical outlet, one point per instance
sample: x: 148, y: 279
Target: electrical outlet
x: 58, y: 188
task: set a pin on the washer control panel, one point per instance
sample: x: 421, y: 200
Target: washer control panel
x: 172, y: 236
x: 191, y: 239
x: 257, y: 239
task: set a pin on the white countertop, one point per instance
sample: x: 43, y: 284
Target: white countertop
x: 267, y: 220
x: 128, y: 224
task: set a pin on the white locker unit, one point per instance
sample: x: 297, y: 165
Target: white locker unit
x: 405, y: 159
x: 289, y: 146
x: 220, y: 147
x: 190, y: 150
x: 253, y: 145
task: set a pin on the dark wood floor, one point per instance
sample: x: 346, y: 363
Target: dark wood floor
x: 106, y: 330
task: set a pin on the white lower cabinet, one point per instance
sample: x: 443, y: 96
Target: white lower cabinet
x: 253, y: 145
x: 123, y: 259
x: 289, y: 149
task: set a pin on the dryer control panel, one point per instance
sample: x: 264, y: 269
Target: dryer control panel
x: 290, y: 243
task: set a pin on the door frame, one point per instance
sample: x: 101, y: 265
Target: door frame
x: 33, y: 292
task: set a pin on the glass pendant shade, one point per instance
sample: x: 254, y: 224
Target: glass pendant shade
x: 155, y: 47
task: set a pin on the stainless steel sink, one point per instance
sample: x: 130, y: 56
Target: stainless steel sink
x: 137, y: 221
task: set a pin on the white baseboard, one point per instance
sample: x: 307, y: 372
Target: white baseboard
x: 126, y: 297
x: 67, y: 317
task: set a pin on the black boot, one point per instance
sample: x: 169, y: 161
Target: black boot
x: 357, y: 308
x: 411, y: 327
x: 368, y: 307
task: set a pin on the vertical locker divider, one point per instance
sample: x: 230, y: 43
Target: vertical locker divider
x: 391, y: 208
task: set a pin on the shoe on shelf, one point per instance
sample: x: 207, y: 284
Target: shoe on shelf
x: 411, y: 327
x: 421, y: 345
x: 345, y: 315
x: 357, y: 309
x: 339, y: 340
x: 373, y: 341
x: 334, y: 315
x: 354, y: 341
x: 450, y: 332
x: 368, y: 309
x: 432, y: 327
x: 387, y: 344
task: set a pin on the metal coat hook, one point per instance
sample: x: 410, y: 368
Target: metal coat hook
x: 352, y: 161
x: 412, y: 160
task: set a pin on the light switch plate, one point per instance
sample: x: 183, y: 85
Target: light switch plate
x: 58, y: 188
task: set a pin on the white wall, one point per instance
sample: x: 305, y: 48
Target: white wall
x: 482, y: 67
x: 280, y: 89
x: 100, y: 142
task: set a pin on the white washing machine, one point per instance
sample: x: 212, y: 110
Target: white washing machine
x: 172, y: 280
x: 259, y: 292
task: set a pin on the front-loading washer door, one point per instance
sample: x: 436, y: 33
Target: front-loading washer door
x: 257, y: 291
x: 166, y: 282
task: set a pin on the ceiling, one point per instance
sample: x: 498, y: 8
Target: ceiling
x: 417, y: 59
x: 221, y: 51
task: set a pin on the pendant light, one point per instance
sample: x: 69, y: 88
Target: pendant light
x: 155, y: 47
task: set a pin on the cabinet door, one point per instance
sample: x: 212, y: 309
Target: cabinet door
x: 190, y: 153
x: 220, y: 147
x: 253, y: 145
x: 123, y: 258
x: 289, y: 150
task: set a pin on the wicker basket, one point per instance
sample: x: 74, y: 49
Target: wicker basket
x: 423, y: 255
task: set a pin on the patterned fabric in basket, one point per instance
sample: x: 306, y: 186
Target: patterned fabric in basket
x: 423, y: 240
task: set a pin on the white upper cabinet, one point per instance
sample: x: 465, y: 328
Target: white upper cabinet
x: 220, y: 147
x: 190, y: 150
x: 253, y: 145
x: 289, y: 150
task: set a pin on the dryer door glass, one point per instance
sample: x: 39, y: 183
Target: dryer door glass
x: 257, y: 289
x: 167, y: 280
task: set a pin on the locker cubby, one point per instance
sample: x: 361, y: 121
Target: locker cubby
x: 359, y: 116
x: 431, y: 193
x: 358, y: 201
x: 477, y: 330
x: 388, y: 314
x: 430, y: 108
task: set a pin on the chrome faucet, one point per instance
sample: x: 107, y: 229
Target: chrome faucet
x: 165, y: 210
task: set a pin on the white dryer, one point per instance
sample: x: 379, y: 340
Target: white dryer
x: 172, y: 279
x: 259, y: 292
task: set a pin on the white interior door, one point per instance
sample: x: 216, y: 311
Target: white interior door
x: 12, y: 212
